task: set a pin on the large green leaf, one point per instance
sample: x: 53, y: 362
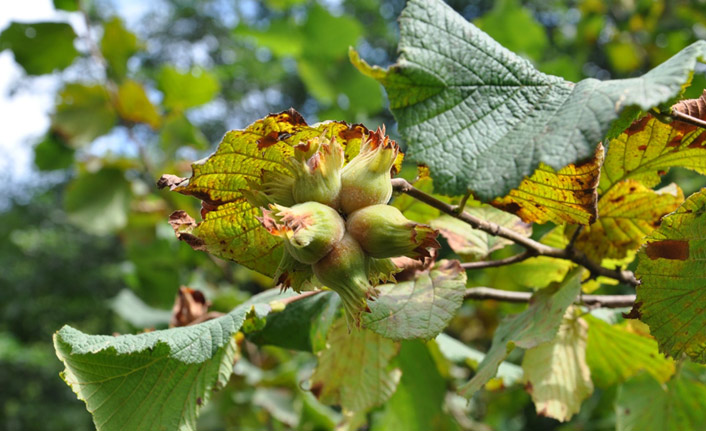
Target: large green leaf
x: 154, y: 380
x: 454, y: 90
x: 538, y: 324
x: 354, y: 370
x: 230, y: 228
x: 615, y: 354
x: 419, y: 308
x: 558, y: 378
x: 673, y: 280
x: 40, y: 47
x: 644, y: 404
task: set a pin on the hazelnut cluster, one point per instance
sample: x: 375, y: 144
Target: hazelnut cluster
x: 337, y: 228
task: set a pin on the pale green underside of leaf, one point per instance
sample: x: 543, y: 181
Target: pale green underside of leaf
x: 419, y: 308
x: 157, y: 380
x: 673, y: 280
x: 455, y: 91
x: 615, y: 354
x: 557, y: 374
x: 354, y: 370
x: 538, y: 324
x: 643, y: 404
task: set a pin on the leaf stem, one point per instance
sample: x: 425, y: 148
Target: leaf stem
x: 539, y: 249
x: 500, y: 262
x: 604, y: 301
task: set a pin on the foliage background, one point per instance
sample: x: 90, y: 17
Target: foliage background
x: 85, y: 236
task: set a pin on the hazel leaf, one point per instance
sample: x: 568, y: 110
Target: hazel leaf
x: 538, y: 324
x: 672, y: 278
x: 456, y: 91
x: 419, y: 308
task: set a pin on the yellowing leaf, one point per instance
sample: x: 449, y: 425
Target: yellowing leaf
x: 133, y: 105
x: 558, y: 378
x: 648, y: 148
x: 673, y: 281
x: 564, y: 196
x: 354, y: 371
x: 627, y: 213
x: 229, y: 228
x: 473, y: 244
x: 615, y: 354
x: 538, y: 324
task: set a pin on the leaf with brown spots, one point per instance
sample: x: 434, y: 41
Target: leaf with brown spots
x: 673, y: 281
x: 627, y: 213
x: 246, y: 158
x: 648, y: 148
x: 564, y: 196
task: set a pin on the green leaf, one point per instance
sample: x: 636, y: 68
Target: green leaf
x: 98, y: 202
x: 183, y: 90
x: 419, y: 308
x: 84, y: 113
x: 178, y: 132
x: 513, y: 27
x: 417, y: 404
x: 627, y: 213
x: 473, y: 244
x: 134, y: 106
x: 40, y: 47
x: 117, y: 46
x: 558, y: 378
x: 538, y: 324
x: 672, y: 274
x: 328, y: 36
x: 456, y: 351
x: 302, y: 325
x: 283, y: 37
x: 456, y: 91
x: 643, y: 404
x: 615, y: 354
x: 53, y: 154
x: 133, y: 310
x: 67, y: 5
x: 153, y: 380
x: 354, y: 371
x: 230, y: 228
x: 564, y: 196
x: 648, y: 148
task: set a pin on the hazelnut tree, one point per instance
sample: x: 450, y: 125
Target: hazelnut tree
x: 352, y: 246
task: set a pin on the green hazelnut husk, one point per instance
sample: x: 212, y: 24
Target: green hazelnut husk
x: 366, y: 179
x: 316, y: 167
x: 383, y: 231
x: 345, y: 271
x: 310, y: 230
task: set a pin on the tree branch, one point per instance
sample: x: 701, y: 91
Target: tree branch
x: 604, y: 301
x: 539, y: 249
x: 686, y: 118
x: 500, y: 262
